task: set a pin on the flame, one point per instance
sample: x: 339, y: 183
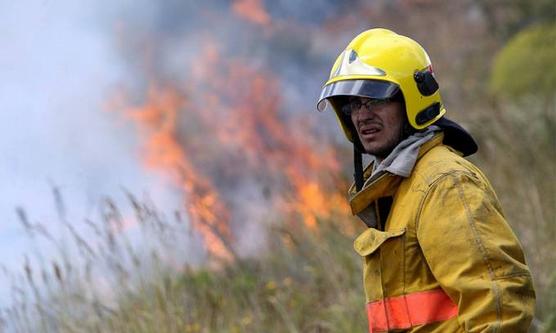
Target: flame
x: 251, y: 10
x: 157, y: 120
x: 248, y: 102
x: 236, y: 110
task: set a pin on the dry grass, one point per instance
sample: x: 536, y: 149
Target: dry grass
x: 306, y: 281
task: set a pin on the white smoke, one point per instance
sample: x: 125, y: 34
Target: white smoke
x: 56, y: 67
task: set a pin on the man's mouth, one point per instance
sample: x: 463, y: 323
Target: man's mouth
x: 369, y: 130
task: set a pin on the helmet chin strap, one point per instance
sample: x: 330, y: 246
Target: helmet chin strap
x: 358, y: 165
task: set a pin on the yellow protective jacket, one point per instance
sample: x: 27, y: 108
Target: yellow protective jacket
x: 443, y: 259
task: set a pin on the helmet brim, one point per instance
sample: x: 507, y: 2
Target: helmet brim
x: 362, y: 88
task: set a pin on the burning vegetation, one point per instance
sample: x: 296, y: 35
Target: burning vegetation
x: 225, y: 128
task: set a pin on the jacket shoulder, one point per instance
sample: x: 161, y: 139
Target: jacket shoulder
x: 440, y: 161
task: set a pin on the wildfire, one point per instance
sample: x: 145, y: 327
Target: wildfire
x: 157, y: 122
x: 232, y: 109
x: 249, y: 100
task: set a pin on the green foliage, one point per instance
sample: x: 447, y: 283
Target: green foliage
x: 526, y: 65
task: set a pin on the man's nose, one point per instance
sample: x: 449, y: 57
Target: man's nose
x: 364, y: 113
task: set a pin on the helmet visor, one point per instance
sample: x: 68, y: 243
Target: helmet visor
x: 362, y: 88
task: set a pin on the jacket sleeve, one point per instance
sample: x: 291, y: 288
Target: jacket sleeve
x: 473, y: 253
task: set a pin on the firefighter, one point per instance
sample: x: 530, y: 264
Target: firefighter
x: 438, y: 253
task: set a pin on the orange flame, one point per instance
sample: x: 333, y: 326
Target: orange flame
x: 251, y: 10
x: 248, y: 102
x: 157, y: 122
x: 238, y: 106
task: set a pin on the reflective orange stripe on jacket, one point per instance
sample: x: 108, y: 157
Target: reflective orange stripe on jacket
x: 410, y: 310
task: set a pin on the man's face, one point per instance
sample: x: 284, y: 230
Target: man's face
x: 378, y: 124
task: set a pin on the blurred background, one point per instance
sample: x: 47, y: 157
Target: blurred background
x: 165, y: 169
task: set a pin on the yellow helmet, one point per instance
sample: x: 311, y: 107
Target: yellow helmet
x: 379, y: 63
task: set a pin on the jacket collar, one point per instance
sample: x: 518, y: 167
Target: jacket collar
x: 385, y: 183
